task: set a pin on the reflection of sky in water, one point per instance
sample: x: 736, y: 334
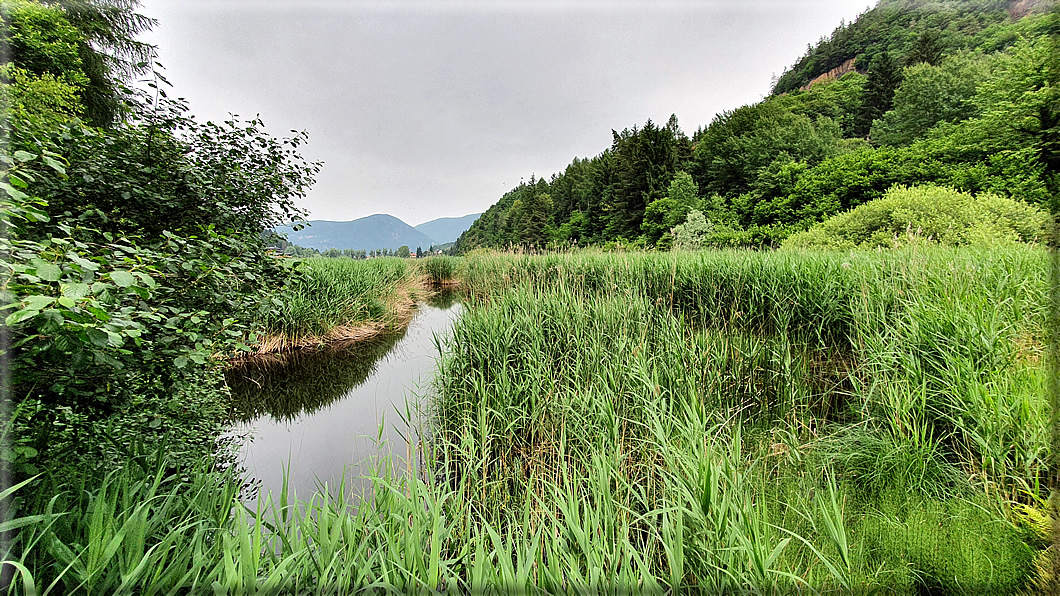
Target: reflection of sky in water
x: 316, y: 446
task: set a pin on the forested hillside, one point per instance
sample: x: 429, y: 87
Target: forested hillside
x: 956, y: 93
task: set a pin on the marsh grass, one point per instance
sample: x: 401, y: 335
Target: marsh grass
x: 905, y: 372
x: 722, y: 422
x: 440, y: 270
x: 342, y: 300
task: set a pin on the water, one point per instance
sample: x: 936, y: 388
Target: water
x: 316, y: 413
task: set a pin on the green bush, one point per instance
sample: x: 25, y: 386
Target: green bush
x: 935, y: 214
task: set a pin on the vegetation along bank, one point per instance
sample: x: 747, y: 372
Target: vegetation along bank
x: 863, y: 407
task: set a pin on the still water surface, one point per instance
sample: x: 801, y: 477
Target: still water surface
x: 320, y: 413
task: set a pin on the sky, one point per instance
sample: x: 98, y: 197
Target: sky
x: 435, y: 108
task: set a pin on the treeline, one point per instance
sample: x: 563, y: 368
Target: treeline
x: 133, y: 252
x: 402, y: 251
x: 952, y: 94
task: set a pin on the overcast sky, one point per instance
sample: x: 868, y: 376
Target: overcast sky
x: 426, y: 109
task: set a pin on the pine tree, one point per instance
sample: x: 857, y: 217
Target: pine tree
x: 884, y: 76
x: 927, y: 48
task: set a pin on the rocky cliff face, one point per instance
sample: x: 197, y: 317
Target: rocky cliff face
x: 1018, y: 9
x: 831, y: 75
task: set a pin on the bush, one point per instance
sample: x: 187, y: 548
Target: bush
x: 936, y: 214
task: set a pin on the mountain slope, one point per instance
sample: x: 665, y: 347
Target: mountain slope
x: 906, y: 27
x: 447, y: 229
x: 914, y: 92
x: 367, y: 233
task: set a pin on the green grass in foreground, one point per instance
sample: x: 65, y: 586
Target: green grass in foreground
x: 716, y: 422
x: 913, y: 377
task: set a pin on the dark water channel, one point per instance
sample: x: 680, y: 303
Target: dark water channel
x: 321, y: 413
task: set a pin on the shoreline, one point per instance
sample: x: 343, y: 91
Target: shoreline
x: 399, y: 313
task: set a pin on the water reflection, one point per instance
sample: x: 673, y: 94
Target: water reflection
x: 318, y: 412
x: 445, y: 298
x: 286, y: 386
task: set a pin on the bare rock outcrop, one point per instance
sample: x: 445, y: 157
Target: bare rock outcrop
x: 1017, y: 9
x: 831, y: 75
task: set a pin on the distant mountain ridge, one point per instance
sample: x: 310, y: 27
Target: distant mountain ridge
x: 375, y: 232
x: 367, y: 233
x: 447, y: 229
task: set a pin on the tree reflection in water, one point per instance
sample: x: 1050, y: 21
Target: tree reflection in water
x: 286, y: 386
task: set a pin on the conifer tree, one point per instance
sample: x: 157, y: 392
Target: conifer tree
x: 884, y: 77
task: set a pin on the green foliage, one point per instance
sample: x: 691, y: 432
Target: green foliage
x: 43, y: 99
x: 928, y: 214
x: 929, y: 95
x: 719, y: 421
x: 656, y: 223
x: 912, y: 31
x: 42, y: 41
x: 593, y: 200
x: 531, y: 219
x: 839, y: 100
x: 103, y: 327
x: 440, y: 269
x: 645, y: 161
x: 90, y: 45
x: 662, y: 215
x: 619, y: 365
x: 884, y: 76
x: 151, y: 175
x: 111, y: 56
x: 693, y: 233
x: 928, y: 49
x: 1022, y: 102
x: 331, y: 296
x: 134, y: 254
x: 44, y: 79
x: 833, y: 185
x: 738, y: 144
x: 574, y: 228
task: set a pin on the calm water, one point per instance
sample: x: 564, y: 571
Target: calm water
x: 320, y: 412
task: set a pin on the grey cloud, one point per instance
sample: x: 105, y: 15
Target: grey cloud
x: 427, y: 110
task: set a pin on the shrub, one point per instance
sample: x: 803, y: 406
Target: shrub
x: 906, y: 215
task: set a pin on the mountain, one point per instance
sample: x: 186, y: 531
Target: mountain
x: 923, y: 29
x: 953, y: 93
x: 447, y: 229
x: 367, y: 233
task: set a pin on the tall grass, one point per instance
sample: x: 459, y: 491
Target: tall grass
x: 440, y: 270
x: 916, y: 375
x: 336, y: 299
x: 706, y: 423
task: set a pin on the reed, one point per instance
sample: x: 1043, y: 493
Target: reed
x: 440, y: 270
x: 341, y: 300
x: 914, y: 374
x: 719, y: 422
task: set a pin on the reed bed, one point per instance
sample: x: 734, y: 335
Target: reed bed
x: 342, y: 300
x: 722, y: 422
x: 440, y: 270
x: 908, y: 385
